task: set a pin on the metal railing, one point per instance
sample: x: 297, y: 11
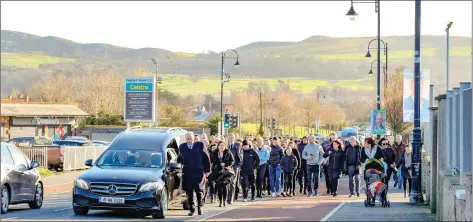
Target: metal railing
x: 75, y: 157
x: 39, y: 154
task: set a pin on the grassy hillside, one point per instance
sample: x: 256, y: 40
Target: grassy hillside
x: 30, y: 60
x: 313, y: 62
x: 183, y: 84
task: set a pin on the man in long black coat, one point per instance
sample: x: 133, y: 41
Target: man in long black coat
x: 196, y: 167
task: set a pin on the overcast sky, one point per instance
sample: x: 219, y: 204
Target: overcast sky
x: 197, y: 26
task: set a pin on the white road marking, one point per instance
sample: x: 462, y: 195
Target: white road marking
x: 334, y: 211
x: 221, y: 212
x: 57, y: 193
x: 10, y: 218
x: 62, y: 209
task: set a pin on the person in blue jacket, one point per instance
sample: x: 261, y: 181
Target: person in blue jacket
x: 263, y: 153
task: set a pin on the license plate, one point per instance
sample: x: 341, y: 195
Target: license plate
x: 112, y: 200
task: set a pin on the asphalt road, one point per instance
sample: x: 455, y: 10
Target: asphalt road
x: 301, y: 207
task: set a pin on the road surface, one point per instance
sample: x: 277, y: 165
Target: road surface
x: 298, y: 208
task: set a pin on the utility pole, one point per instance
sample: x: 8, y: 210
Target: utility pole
x: 261, y: 128
x: 416, y: 194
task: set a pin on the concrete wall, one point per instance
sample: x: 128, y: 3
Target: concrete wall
x: 451, y: 192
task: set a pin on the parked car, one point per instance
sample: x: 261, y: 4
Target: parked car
x: 138, y: 172
x: 76, y: 138
x: 73, y: 142
x: 54, y: 152
x: 20, y: 180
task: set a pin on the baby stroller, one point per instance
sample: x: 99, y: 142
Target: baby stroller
x: 375, y: 188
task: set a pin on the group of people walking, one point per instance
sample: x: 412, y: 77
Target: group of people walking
x: 221, y: 168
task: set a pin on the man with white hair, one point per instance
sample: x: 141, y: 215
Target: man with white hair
x: 354, y: 165
x: 399, y: 148
x: 196, y: 167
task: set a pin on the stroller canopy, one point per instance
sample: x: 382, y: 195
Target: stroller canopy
x: 373, y: 163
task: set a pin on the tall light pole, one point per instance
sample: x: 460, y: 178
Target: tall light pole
x: 222, y: 82
x: 416, y: 167
x: 447, y: 30
x: 368, y: 55
x: 352, y: 15
x: 159, y: 80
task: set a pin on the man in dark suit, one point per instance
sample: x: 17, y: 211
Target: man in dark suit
x: 235, y: 148
x: 196, y: 168
x: 408, y: 102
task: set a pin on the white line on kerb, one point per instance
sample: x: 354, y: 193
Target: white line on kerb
x: 10, y: 218
x: 333, y: 211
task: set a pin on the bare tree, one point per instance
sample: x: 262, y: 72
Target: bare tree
x: 392, y: 102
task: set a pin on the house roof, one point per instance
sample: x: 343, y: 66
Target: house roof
x: 38, y: 109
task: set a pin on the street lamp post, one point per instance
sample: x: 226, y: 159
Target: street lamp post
x: 447, y: 30
x: 352, y: 15
x: 416, y: 167
x: 371, y: 69
x: 222, y: 82
x: 159, y: 80
x: 385, y: 48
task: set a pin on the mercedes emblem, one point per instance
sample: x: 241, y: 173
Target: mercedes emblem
x: 112, y: 189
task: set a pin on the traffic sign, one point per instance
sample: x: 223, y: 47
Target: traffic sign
x: 140, y: 99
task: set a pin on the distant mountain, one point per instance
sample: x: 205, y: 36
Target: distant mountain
x: 317, y: 57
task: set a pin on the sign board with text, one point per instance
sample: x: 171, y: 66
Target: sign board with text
x: 139, y: 99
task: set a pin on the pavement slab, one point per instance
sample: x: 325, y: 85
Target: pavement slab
x: 400, y: 210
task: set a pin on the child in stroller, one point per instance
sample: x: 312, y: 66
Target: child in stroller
x: 375, y: 188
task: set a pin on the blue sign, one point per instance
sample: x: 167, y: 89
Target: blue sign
x: 140, y: 99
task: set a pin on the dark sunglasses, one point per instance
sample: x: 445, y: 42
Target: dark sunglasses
x: 384, y: 144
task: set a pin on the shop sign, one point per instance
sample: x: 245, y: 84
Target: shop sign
x: 41, y: 121
x: 4, y: 119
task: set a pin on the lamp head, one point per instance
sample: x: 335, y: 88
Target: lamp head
x: 351, y: 13
x: 237, y: 64
x: 368, y: 54
x: 371, y: 72
x: 449, y: 24
x: 154, y: 61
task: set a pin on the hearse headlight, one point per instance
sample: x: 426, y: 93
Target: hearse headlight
x: 82, y: 184
x: 151, y: 186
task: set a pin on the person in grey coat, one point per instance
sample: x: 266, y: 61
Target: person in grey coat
x: 313, y: 154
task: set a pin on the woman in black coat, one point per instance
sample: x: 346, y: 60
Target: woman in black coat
x: 222, y: 171
x: 336, y: 163
x: 371, y: 151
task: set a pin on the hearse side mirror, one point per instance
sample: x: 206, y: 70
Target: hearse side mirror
x: 34, y: 164
x: 88, y: 162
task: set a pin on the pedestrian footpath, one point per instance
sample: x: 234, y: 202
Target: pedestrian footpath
x: 400, y: 210
x: 60, y: 183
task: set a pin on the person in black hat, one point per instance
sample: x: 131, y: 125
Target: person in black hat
x: 249, y: 164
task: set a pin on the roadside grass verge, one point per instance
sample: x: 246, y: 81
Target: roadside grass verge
x: 44, y: 172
